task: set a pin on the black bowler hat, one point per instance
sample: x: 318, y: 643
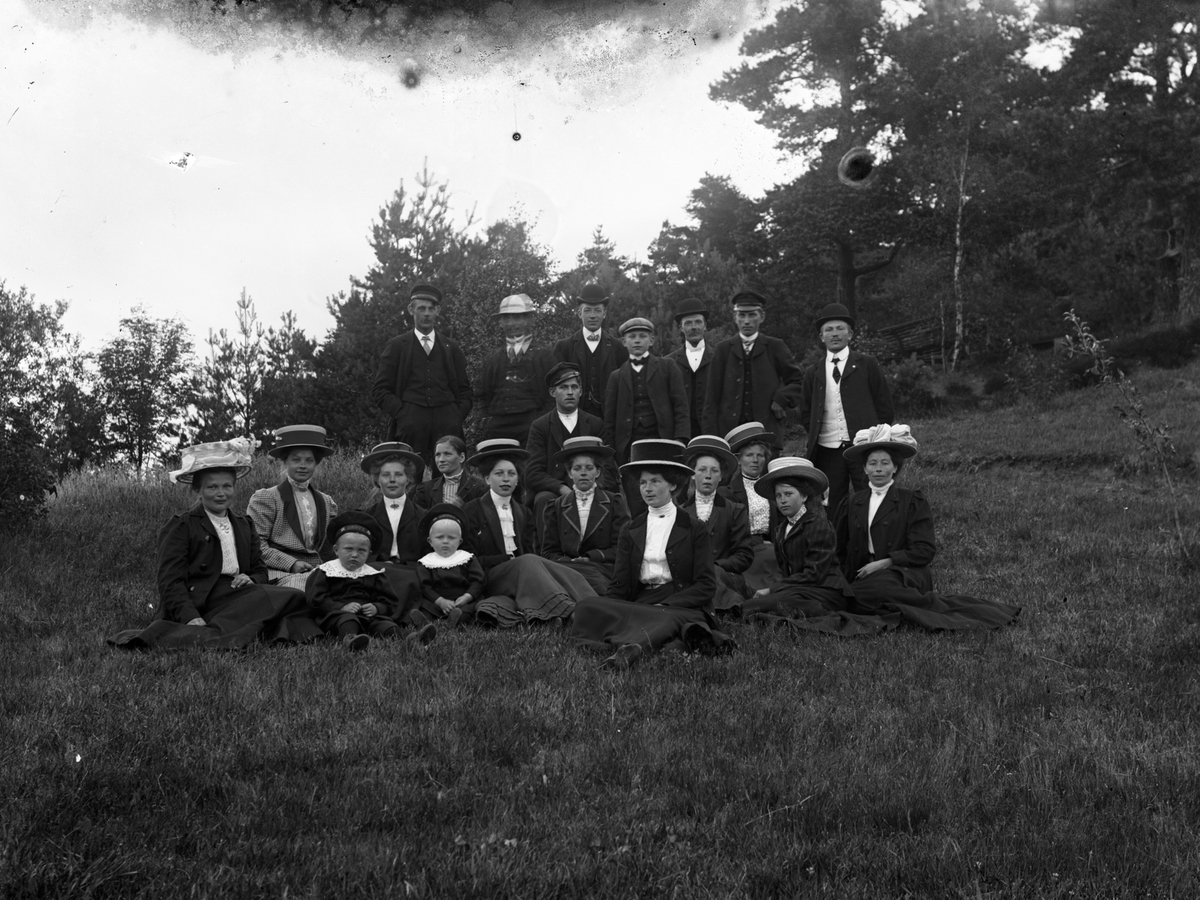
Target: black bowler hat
x: 593, y: 293
x: 561, y: 372
x: 835, y: 311
x: 425, y: 292
x: 691, y: 307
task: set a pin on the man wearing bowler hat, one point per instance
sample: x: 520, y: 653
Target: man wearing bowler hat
x: 841, y: 395
x: 512, y: 382
x: 645, y: 398
x: 593, y: 352
x: 693, y: 358
x: 752, y: 377
x: 546, y: 480
x: 422, y: 382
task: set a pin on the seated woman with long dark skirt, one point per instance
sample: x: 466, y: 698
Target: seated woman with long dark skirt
x: 521, y: 587
x: 661, y: 596
x: 582, y: 528
x: 752, y: 444
x: 812, y: 584
x: 886, y: 544
x: 728, y: 526
x: 211, y: 574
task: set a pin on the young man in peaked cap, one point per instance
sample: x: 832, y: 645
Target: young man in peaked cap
x: 593, y: 352
x: 753, y: 377
x: 645, y: 397
x: 422, y: 384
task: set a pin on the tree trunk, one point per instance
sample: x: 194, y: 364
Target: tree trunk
x: 847, y: 278
x: 959, y: 253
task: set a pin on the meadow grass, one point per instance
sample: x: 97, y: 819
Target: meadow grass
x: 1056, y: 758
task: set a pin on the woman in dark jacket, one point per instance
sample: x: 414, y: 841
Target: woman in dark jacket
x: 886, y: 544
x: 661, y: 595
x: 211, y: 575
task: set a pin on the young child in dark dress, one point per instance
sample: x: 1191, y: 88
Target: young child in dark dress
x: 451, y: 579
x: 352, y: 600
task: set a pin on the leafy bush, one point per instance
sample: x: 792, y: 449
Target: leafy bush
x: 27, y: 474
x: 912, y: 383
x: 1166, y: 348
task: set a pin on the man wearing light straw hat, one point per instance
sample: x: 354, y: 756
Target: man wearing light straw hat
x: 512, y: 383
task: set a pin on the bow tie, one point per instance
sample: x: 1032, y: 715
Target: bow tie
x: 638, y: 364
x: 394, y: 505
x: 593, y: 338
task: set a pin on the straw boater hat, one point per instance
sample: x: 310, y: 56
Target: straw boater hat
x: 786, y: 468
x: 712, y: 445
x: 593, y: 294
x: 487, y: 452
x: 514, y: 305
x: 896, y: 439
x: 234, y: 454
x: 637, y: 323
x: 749, y: 433
x: 441, y: 511
x: 291, y: 437
x: 657, y: 453
x: 355, y: 522
x: 691, y: 307
x: 585, y: 445
x: 835, y: 311
x: 393, y: 448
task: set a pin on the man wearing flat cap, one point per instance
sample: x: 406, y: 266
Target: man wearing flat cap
x: 752, y: 377
x: 693, y: 358
x: 422, y: 382
x: 512, y: 382
x: 593, y: 352
x: 645, y: 398
x: 841, y: 395
x: 546, y: 480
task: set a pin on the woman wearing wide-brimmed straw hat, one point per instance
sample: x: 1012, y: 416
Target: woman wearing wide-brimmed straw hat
x: 211, y: 574
x: 811, y: 583
x: 521, y: 587
x: 581, y: 528
x: 291, y: 517
x: 713, y: 464
x: 661, y: 596
x: 886, y: 544
x: 753, y: 446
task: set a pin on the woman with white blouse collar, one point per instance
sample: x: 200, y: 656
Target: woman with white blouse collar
x: 752, y: 444
x: 661, y: 595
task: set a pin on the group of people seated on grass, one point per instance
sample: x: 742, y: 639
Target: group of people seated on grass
x: 663, y: 552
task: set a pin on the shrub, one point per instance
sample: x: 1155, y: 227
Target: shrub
x: 27, y: 474
x: 1165, y: 348
x: 912, y: 384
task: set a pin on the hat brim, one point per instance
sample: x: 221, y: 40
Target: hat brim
x: 599, y: 452
x: 371, y: 458
x: 188, y: 476
x: 670, y: 465
x: 861, y: 451
x: 763, y: 437
x: 728, y: 460
x: 849, y: 320
x: 281, y: 452
x: 765, y: 486
x: 516, y: 454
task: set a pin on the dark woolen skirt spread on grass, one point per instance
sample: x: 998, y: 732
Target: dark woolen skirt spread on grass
x: 605, y: 623
x: 530, y: 589
x: 882, y: 601
x: 235, y: 619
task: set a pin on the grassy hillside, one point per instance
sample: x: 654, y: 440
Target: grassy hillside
x: 1056, y: 758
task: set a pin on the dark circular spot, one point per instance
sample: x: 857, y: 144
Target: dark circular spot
x: 411, y: 78
x: 516, y: 135
x: 716, y: 35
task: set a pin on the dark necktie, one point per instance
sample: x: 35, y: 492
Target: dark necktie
x: 837, y: 376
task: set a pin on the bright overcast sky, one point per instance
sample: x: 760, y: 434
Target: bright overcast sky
x: 296, y: 145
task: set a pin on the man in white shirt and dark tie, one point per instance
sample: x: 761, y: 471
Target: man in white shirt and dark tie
x: 694, y: 357
x: 842, y: 394
x: 591, y: 350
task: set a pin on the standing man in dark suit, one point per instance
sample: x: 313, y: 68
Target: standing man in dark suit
x: 841, y: 395
x: 593, y: 352
x: 512, y: 383
x: 545, y: 479
x: 693, y: 358
x: 422, y: 383
x: 645, y: 398
x: 753, y: 377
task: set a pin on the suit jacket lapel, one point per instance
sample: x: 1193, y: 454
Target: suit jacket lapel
x: 638, y: 535
x: 601, y: 509
x: 493, y: 517
x: 379, y: 513
x: 290, y: 514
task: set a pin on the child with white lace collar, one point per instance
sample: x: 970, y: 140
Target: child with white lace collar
x: 451, y: 578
